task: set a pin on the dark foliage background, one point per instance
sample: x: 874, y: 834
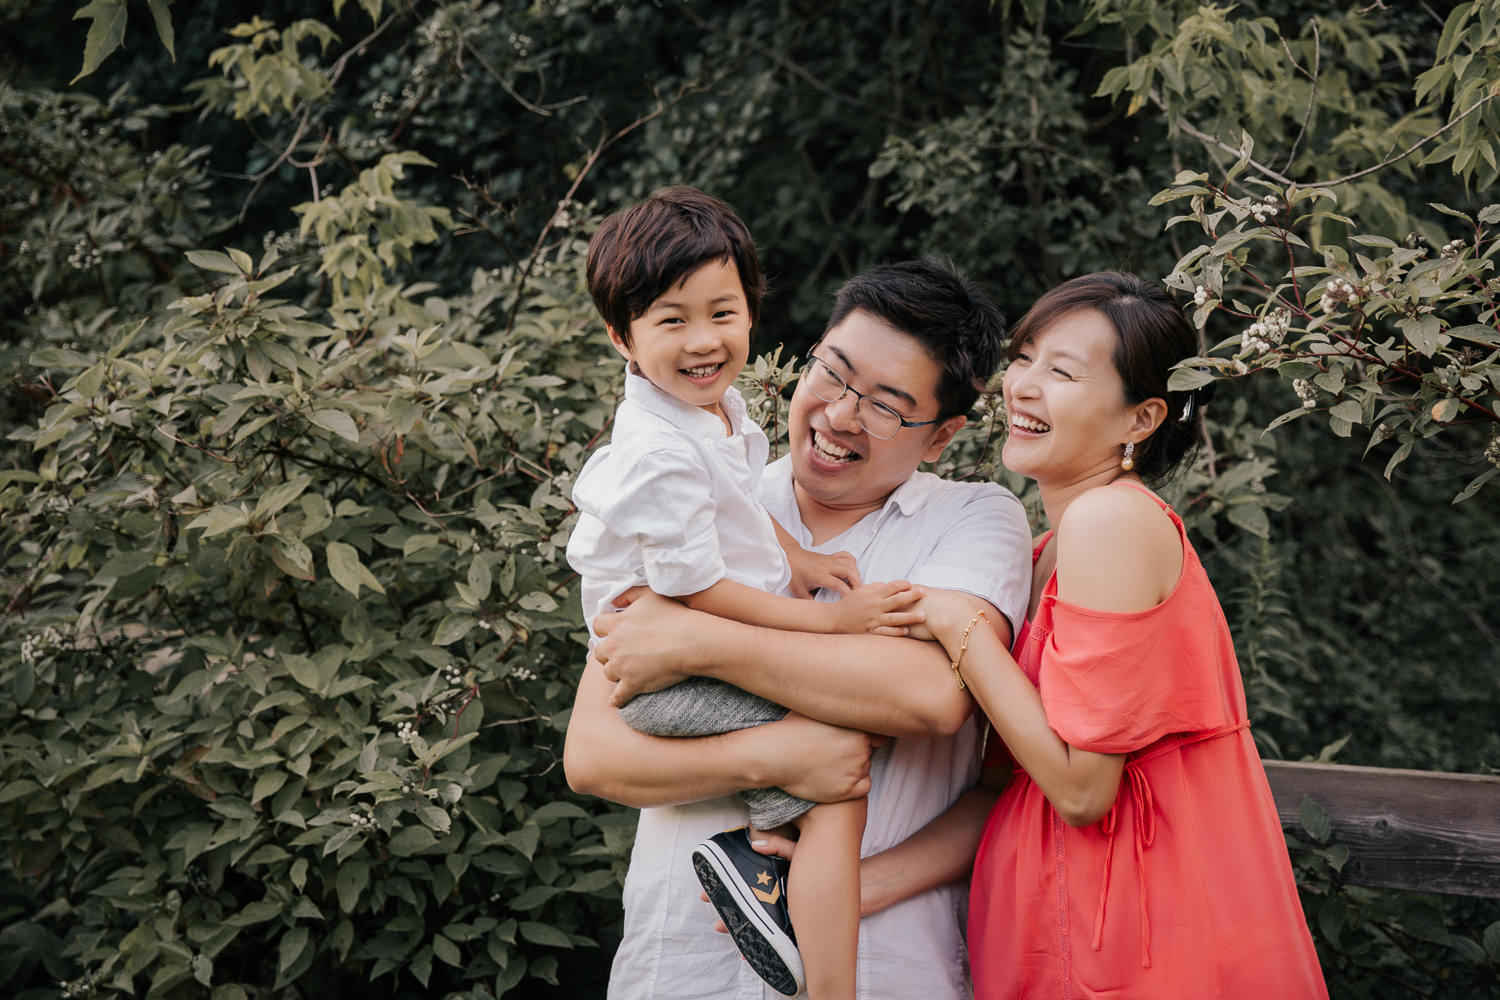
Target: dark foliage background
x: 297, y: 364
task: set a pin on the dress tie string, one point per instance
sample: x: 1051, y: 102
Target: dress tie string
x: 1138, y: 789
x: 1133, y: 784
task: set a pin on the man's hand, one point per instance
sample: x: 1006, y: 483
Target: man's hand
x: 647, y: 645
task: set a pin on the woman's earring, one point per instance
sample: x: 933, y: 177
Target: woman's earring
x: 1128, y: 462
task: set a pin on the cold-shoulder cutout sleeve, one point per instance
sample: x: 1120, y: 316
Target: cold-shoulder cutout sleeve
x: 1114, y: 682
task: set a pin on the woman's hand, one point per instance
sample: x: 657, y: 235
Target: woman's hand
x: 651, y: 643
x: 945, y: 614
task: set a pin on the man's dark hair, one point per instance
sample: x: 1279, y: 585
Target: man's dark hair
x: 1152, y: 335
x: 954, y: 320
x: 642, y: 251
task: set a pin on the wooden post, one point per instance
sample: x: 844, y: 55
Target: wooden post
x: 1424, y: 830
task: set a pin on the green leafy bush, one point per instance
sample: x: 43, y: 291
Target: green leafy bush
x: 291, y: 640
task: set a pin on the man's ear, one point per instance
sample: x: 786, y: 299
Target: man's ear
x: 942, y: 437
x: 619, y: 342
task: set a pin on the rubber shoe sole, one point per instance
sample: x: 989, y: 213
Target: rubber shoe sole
x: 771, y: 953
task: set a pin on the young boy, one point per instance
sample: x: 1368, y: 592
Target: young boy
x: 670, y: 504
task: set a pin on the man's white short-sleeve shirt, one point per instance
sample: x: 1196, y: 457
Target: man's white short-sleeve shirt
x: 971, y: 537
x: 671, y: 502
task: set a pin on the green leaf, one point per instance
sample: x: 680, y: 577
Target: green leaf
x: 353, y: 876
x: 277, y: 497
x: 203, y: 969
x: 212, y: 260
x: 1475, y: 485
x: 293, y: 944
x: 293, y: 558
x: 411, y: 840
x: 163, y: 18
x: 348, y: 571
x: 544, y: 934
x: 1348, y: 410
x: 1331, y: 918
x: 447, y: 951
x: 453, y: 628
x: 337, y: 421
x: 1315, y: 820
x: 106, y: 34
x: 1492, y: 941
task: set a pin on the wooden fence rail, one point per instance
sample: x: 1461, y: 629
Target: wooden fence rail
x: 1424, y: 830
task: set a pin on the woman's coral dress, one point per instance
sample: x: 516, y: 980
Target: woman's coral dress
x: 1184, y: 889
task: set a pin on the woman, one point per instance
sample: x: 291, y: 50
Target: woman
x: 1136, y: 850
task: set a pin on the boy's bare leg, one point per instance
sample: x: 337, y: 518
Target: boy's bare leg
x: 823, y: 896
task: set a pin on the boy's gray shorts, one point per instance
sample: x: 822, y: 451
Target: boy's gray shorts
x: 699, y: 706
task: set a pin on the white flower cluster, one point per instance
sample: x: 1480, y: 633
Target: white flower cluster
x: 1492, y: 451
x: 36, y: 645
x: 361, y: 818
x: 1305, y: 392
x: 84, y: 255
x: 1265, y: 209
x: 1453, y: 248
x: 1201, y: 296
x: 454, y: 676
x: 1266, y: 332
x: 283, y: 242
x: 24, y: 248
x: 1339, y: 290
x: 76, y: 989
x: 406, y: 732
x: 523, y: 674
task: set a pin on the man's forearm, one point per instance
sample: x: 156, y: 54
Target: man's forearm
x: 939, y: 853
x: 603, y: 756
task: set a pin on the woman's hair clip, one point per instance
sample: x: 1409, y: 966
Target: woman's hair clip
x: 1196, y: 398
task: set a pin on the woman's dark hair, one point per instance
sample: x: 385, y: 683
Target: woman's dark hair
x: 640, y: 252
x: 953, y: 319
x: 1152, y: 335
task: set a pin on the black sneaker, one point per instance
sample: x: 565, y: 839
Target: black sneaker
x: 749, y: 891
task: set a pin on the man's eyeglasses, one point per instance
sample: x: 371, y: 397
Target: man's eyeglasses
x: 877, y: 419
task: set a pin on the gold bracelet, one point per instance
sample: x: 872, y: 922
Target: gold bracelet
x: 964, y: 647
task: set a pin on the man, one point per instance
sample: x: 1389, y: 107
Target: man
x: 886, y: 388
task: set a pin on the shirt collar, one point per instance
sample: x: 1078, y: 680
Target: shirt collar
x: 641, y: 392
x: 908, y: 498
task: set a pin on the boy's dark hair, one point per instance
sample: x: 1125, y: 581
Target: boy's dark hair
x: 1152, y: 335
x: 642, y: 251
x: 954, y: 320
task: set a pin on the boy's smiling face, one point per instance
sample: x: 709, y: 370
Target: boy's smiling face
x: 694, y: 339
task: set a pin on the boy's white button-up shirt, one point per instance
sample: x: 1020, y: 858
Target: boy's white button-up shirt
x: 971, y: 537
x: 671, y: 502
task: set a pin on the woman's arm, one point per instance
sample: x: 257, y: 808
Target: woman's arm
x: 1113, y: 554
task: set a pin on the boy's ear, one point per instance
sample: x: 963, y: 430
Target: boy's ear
x: 619, y: 342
